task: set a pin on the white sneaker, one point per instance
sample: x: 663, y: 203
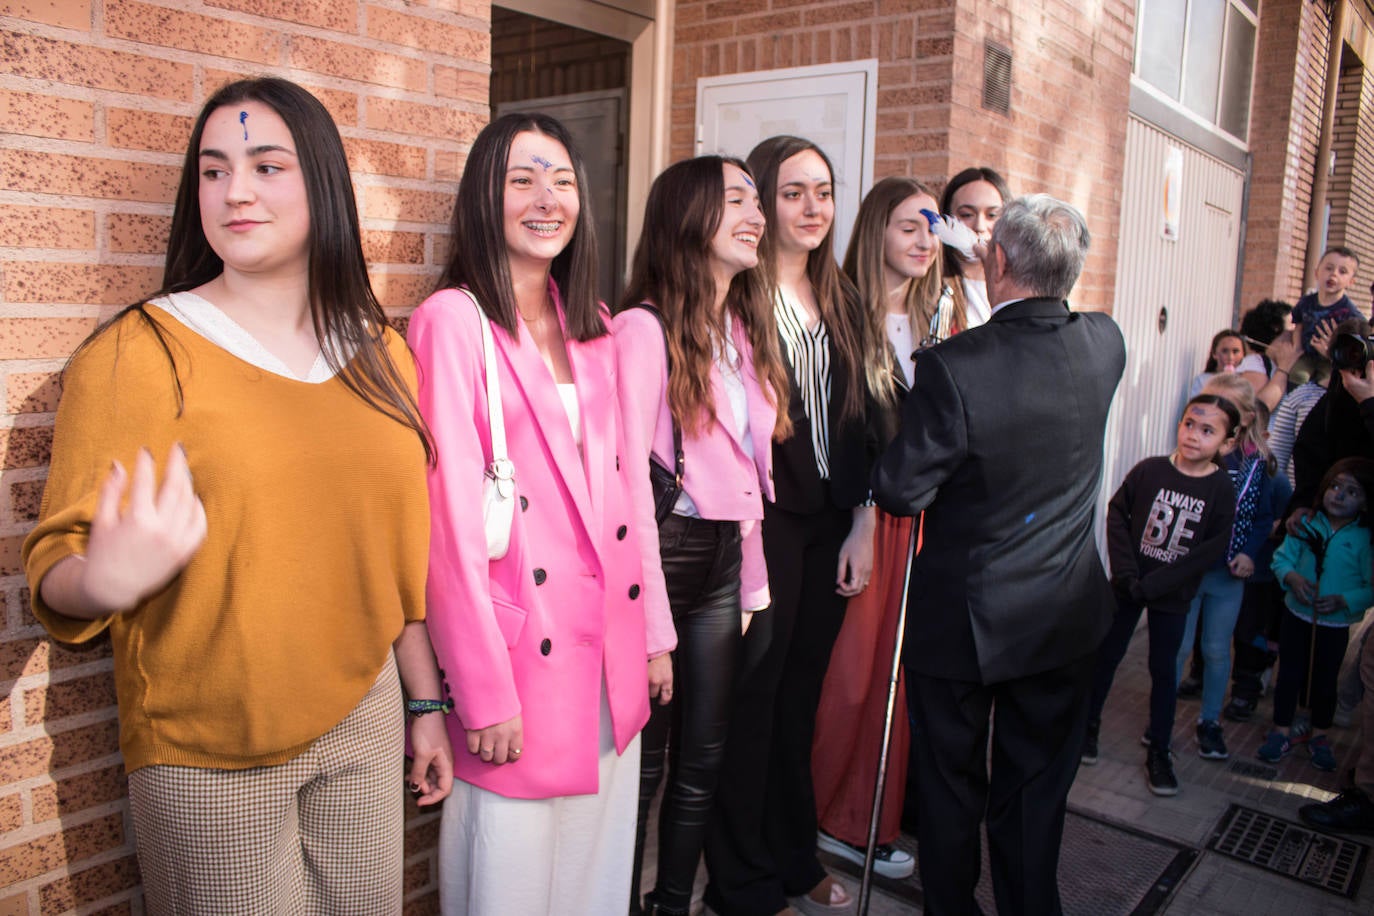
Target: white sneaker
x: 888, y: 860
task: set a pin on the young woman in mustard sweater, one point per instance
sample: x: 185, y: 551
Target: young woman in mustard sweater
x: 264, y: 584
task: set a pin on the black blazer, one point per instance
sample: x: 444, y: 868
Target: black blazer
x: 1001, y: 445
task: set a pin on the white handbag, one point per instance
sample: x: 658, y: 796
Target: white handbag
x: 498, y: 483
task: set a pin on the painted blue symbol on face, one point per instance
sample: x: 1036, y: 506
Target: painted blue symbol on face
x: 540, y: 160
x: 747, y: 181
x: 243, y: 119
x: 931, y: 217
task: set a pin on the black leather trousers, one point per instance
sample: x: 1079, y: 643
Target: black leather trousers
x: 701, y: 566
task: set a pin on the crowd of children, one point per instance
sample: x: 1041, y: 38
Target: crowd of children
x: 1212, y: 542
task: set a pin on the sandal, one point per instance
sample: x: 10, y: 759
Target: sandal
x: 839, y: 899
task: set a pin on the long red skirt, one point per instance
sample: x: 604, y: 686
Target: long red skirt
x: 849, y: 721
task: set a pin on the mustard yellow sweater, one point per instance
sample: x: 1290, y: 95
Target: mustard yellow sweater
x: 315, y: 557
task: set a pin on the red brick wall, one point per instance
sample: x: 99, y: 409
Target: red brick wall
x: 912, y: 40
x: 1285, y: 126
x: 1352, y: 187
x: 96, y: 102
x: 1066, y: 131
x: 533, y: 58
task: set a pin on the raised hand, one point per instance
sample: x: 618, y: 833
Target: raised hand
x: 136, y: 546
x: 1321, y: 337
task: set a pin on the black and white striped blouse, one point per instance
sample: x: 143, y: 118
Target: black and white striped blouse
x: 808, y: 350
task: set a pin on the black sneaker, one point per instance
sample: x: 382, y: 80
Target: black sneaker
x: 1210, y: 743
x: 1190, y: 688
x: 1239, y: 709
x: 1089, y: 755
x: 1351, y: 810
x: 1159, y: 772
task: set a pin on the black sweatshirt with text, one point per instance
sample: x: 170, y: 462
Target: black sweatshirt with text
x: 1164, y: 530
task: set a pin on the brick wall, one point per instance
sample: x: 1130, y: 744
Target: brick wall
x: 96, y: 103
x: 1290, y: 69
x: 912, y: 40
x: 1352, y: 187
x: 1066, y: 131
x: 533, y: 58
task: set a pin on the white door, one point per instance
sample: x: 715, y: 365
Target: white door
x: 596, y: 121
x: 1171, y: 295
x: 832, y: 105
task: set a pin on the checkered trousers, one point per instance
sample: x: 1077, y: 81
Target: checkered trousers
x: 320, y: 834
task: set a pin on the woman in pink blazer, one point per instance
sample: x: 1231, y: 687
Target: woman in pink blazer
x: 695, y: 267
x: 546, y: 650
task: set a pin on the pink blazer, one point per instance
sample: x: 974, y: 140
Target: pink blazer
x: 723, y: 481
x: 534, y: 633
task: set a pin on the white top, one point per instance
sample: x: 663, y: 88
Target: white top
x: 729, y: 362
x: 206, y: 319
x: 567, y: 393
x: 899, y: 335
x: 1253, y: 362
x: 977, y: 310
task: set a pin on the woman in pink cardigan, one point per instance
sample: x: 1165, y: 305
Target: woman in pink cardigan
x: 716, y: 382
x: 552, y: 651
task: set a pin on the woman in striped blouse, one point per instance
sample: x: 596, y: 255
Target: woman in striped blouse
x: 818, y: 544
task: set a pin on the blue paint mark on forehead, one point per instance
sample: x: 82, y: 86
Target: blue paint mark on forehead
x: 748, y: 181
x: 540, y: 160
x: 931, y: 217
x: 243, y: 119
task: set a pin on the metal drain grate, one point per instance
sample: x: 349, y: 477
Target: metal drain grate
x: 1331, y: 863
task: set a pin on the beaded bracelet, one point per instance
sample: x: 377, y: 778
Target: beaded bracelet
x: 420, y: 707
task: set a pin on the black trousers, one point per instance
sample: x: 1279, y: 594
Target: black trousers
x: 701, y: 567
x: 761, y: 844
x: 1260, y: 613
x: 1037, y: 736
x: 1298, y: 640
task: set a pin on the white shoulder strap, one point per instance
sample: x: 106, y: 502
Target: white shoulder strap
x: 494, y: 415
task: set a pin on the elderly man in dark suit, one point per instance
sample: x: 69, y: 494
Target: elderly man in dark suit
x: 1001, y: 446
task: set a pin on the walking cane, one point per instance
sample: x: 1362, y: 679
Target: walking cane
x: 865, y: 885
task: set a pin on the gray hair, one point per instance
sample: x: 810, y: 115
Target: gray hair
x: 1044, y: 241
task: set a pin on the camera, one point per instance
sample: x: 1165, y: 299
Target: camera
x: 1352, y: 352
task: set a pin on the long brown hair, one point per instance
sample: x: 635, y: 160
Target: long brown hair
x: 953, y: 266
x: 863, y: 263
x: 671, y: 269
x: 477, y: 255
x: 838, y: 302
x: 1251, y: 430
x: 348, y: 320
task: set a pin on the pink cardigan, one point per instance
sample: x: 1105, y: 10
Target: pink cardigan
x: 535, y: 633
x: 723, y: 482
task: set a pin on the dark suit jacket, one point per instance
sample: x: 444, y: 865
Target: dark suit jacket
x: 1001, y: 445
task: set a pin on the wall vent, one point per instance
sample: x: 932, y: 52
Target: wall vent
x: 996, y: 77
